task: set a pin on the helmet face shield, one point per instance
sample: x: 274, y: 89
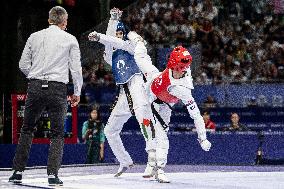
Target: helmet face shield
x: 119, y: 34
x: 180, y: 59
x: 121, y: 28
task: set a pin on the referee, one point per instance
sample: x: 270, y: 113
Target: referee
x: 48, y: 56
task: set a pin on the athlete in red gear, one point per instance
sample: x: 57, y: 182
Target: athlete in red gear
x: 164, y: 90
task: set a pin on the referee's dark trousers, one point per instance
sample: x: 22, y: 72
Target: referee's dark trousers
x: 54, y: 98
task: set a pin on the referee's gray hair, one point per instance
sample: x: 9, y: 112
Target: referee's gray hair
x: 57, y: 15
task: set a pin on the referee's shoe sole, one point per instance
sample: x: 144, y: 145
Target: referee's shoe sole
x: 53, y: 180
x: 16, y: 178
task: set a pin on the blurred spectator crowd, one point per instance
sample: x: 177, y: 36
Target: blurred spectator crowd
x: 98, y: 86
x: 241, y: 40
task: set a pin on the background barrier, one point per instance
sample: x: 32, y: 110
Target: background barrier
x: 228, y: 149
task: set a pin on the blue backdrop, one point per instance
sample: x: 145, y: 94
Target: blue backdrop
x: 235, y: 95
x: 228, y: 149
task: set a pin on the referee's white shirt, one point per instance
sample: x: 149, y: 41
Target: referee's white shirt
x: 49, y: 54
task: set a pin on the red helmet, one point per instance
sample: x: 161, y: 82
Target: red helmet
x: 180, y: 59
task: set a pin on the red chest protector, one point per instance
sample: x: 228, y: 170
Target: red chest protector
x: 160, y: 87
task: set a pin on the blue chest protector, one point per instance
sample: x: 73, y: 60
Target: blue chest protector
x: 123, y: 66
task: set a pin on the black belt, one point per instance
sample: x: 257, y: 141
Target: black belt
x: 157, y: 115
x: 42, y: 80
x: 129, y: 99
x: 45, y: 83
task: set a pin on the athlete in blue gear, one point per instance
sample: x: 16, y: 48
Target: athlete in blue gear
x: 132, y: 99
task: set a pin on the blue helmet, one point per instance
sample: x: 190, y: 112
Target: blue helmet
x: 121, y: 27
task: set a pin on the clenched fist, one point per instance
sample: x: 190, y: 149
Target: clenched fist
x: 115, y: 13
x: 205, y: 144
x: 94, y: 36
